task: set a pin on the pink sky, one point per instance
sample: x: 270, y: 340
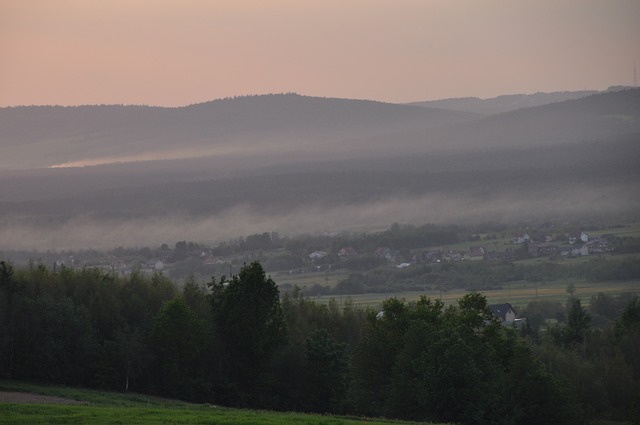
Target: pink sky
x: 178, y: 52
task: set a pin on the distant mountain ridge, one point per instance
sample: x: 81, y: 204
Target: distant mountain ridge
x: 586, y: 118
x: 505, y: 103
x: 290, y: 124
x: 42, y: 136
x: 291, y: 163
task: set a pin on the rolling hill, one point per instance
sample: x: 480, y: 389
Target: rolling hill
x: 505, y: 103
x: 46, y: 136
x: 292, y: 163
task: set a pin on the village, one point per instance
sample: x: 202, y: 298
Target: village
x: 331, y: 252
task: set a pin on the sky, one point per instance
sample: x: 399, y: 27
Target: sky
x: 180, y: 52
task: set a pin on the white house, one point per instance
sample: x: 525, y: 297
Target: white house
x: 578, y: 237
x: 317, y: 255
x: 520, y: 238
x: 580, y: 251
x: 504, y: 312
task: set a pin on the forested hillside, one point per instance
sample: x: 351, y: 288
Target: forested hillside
x: 295, y: 126
x: 296, y: 164
x: 239, y: 342
x: 45, y: 136
x: 505, y: 103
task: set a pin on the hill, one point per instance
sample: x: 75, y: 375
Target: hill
x: 586, y: 119
x: 46, y: 136
x: 39, y: 404
x: 505, y: 103
x: 288, y: 127
x: 292, y: 163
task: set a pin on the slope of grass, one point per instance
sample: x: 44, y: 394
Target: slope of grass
x: 137, y: 409
x: 34, y: 414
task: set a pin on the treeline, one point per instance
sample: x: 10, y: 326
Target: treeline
x: 474, y: 275
x: 239, y: 342
x: 601, y: 364
x: 400, y: 237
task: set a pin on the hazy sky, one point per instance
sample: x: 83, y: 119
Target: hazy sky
x: 177, y: 52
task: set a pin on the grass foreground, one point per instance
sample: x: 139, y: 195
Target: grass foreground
x: 103, y: 408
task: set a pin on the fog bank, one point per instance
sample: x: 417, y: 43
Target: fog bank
x: 85, y: 232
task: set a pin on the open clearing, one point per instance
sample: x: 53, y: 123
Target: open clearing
x: 31, y: 404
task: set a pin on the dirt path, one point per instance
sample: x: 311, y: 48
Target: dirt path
x: 17, y: 397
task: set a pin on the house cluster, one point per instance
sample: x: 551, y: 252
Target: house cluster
x: 579, y: 244
x: 389, y: 255
x: 110, y: 264
x: 523, y: 245
x: 532, y: 243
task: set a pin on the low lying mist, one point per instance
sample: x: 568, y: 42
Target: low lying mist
x: 525, y: 207
x: 103, y: 177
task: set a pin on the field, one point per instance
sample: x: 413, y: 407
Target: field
x: 134, y: 409
x: 518, y: 294
x: 307, y: 280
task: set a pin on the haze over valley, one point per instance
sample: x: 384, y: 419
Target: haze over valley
x: 112, y: 175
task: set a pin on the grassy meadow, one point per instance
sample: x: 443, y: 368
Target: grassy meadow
x: 102, y: 408
x: 518, y: 294
x: 307, y: 280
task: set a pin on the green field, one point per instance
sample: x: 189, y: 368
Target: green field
x: 627, y: 230
x: 517, y: 293
x: 135, y: 409
x: 307, y: 280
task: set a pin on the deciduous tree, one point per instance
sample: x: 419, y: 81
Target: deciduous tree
x: 250, y: 325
